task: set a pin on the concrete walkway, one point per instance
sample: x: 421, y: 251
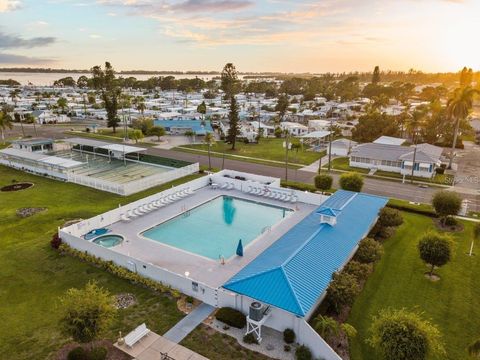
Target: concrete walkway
x: 313, y: 167
x: 188, y: 323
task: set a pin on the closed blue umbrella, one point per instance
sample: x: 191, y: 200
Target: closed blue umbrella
x: 240, y: 248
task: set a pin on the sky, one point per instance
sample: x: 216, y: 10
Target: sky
x: 264, y: 35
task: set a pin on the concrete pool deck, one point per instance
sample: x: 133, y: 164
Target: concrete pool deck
x: 201, y: 269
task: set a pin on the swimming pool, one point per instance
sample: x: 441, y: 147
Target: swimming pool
x: 214, y: 228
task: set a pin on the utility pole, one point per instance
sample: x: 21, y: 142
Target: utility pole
x: 414, y: 155
x: 286, y: 154
x: 330, y: 146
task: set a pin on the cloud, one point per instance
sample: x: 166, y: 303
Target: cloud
x: 9, y: 5
x: 211, y: 5
x: 15, y: 41
x: 23, y: 60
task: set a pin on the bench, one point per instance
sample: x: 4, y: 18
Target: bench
x: 133, y: 337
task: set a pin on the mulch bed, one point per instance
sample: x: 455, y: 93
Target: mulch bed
x: 452, y: 228
x: 26, y: 212
x: 123, y: 301
x: 17, y: 187
x: 113, y: 353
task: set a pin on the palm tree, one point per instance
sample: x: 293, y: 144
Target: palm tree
x: 5, y: 123
x: 14, y: 95
x: 458, y: 108
x: 209, y: 140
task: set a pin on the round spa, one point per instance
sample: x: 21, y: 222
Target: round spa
x: 108, y: 241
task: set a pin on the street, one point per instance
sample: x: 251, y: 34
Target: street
x: 395, y: 189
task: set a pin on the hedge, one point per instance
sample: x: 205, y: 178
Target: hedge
x: 119, y: 271
x: 422, y: 209
x: 231, y: 317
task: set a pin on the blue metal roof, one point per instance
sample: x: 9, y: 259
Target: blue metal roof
x: 295, y: 271
x: 195, y: 125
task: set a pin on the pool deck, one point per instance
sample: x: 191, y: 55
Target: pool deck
x: 201, y: 269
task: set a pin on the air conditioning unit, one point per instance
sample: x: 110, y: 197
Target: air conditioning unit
x: 257, y: 311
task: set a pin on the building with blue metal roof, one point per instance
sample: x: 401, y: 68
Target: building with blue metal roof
x: 294, y: 272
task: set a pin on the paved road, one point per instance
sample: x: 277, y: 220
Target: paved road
x: 373, y: 186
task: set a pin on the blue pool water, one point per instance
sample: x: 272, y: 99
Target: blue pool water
x: 213, y: 229
x: 108, y: 240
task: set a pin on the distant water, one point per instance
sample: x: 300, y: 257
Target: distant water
x: 47, y: 79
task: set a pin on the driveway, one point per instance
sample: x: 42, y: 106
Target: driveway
x: 468, y: 167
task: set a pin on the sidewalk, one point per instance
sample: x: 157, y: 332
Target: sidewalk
x: 188, y: 323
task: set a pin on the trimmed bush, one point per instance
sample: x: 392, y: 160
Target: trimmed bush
x: 56, y: 241
x: 303, y: 353
x: 299, y: 186
x: 435, y: 249
x: 368, y: 251
x: 77, y: 353
x: 289, y: 336
x: 385, y: 233
x: 342, y: 291
x: 451, y: 221
x: 323, y: 182
x: 390, y: 217
x: 98, y: 353
x: 250, y: 339
x: 119, y: 271
x: 359, y: 270
x: 351, y: 181
x: 231, y: 317
x: 446, y: 203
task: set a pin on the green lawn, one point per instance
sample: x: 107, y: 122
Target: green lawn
x: 398, y: 282
x: 33, y: 276
x: 267, y: 149
x: 342, y: 163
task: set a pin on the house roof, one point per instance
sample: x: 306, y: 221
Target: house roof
x: 316, y: 134
x: 389, y: 140
x: 425, y: 152
x: 33, y: 141
x: 195, y: 125
x: 294, y: 272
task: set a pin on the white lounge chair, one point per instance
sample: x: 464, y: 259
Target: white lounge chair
x: 294, y: 199
x: 231, y: 186
x: 131, y: 214
x: 277, y: 195
x: 124, y: 217
x: 224, y: 186
x: 137, y: 212
x: 136, y: 335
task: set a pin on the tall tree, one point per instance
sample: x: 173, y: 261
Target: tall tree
x: 62, y: 103
x: 466, y: 77
x: 229, y: 81
x: 376, y: 75
x: 104, y: 81
x: 458, y: 108
x: 202, y: 109
x: 234, y: 129
x: 282, y: 106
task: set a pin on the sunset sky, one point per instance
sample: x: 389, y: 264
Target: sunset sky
x: 266, y: 35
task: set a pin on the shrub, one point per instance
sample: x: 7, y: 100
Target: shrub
x: 368, y: 251
x: 299, y: 186
x: 118, y: 270
x: 87, y: 312
x: 440, y: 170
x: 359, y: 270
x: 189, y: 299
x: 98, y: 353
x: 303, y: 353
x: 451, y: 221
x: 385, y: 232
x: 250, y: 339
x: 77, y: 353
x: 446, y: 203
x: 403, y: 335
x: 56, y: 241
x: 326, y: 326
x: 351, y: 181
x: 289, y: 336
x: 342, y: 291
x: 390, y: 217
x: 323, y: 182
x: 435, y: 249
x: 286, y: 348
x: 231, y: 317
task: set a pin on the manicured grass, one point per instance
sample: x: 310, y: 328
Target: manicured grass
x: 342, y: 163
x: 217, y: 346
x: 269, y: 149
x: 33, y: 276
x: 398, y: 282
